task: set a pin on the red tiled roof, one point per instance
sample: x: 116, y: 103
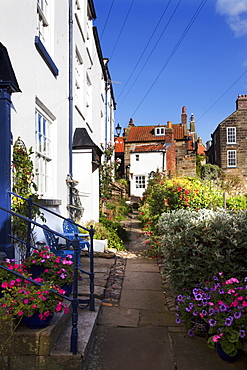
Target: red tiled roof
x: 178, y: 131
x: 119, y: 145
x: 201, y: 150
x: 144, y: 133
x: 149, y: 148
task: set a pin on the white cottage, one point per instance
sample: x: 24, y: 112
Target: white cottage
x: 65, y: 90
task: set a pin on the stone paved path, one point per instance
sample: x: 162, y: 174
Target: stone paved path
x: 137, y: 331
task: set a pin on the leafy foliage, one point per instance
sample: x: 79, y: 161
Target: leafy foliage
x: 197, y: 244
x: 23, y: 185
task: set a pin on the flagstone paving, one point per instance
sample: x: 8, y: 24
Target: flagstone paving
x: 136, y: 328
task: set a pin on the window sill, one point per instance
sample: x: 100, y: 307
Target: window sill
x: 46, y: 56
x: 49, y: 202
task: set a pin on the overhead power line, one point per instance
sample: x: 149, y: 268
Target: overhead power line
x: 203, y: 2
x: 122, y: 28
x: 107, y: 18
x: 147, y: 44
x: 150, y: 54
x: 229, y: 88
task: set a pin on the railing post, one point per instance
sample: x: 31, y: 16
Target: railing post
x: 75, y: 301
x: 91, y: 304
x: 29, y: 227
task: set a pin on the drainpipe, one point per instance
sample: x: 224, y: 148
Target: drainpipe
x: 106, y: 111
x: 70, y: 95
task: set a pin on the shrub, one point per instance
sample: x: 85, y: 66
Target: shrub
x: 197, y: 244
x: 164, y: 195
x: 106, y: 229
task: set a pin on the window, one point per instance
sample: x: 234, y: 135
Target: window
x: 140, y: 182
x: 159, y: 131
x: 137, y: 157
x: 42, y: 152
x: 231, y: 158
x: 42, y: 22
x: 231, y: 135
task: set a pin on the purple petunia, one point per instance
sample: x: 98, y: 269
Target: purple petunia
x: 237, y: 315
x: 198, y: 297
x: 212, y: 322
x: 229, y: 321
x: 242, y: 333
x: 223, y: 307
x: 190, y: 333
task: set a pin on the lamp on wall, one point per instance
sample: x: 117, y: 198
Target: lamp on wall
x: 118, y: 129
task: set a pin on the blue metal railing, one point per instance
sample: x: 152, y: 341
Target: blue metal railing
x: 75, y: 244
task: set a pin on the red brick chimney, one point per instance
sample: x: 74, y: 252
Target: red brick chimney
x: 241, y: 102
x: 184, y: 116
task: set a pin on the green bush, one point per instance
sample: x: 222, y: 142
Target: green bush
x: 164, y: 195
x: 198, y: 244
x: 112, y: 231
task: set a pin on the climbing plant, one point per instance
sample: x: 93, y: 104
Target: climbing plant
x: 22, y: 184
x: 107, y: 171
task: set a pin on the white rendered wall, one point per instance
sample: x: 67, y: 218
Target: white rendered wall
x: 148, y: 162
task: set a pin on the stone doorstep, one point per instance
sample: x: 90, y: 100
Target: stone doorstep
x: 86, y: 325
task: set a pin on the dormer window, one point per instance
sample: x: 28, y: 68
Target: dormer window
x: 159, y: 131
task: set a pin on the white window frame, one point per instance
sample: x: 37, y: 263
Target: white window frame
x: 231, y: 158
x: 159, y: 131
x: 44, y: 29
x: 140, y: 182
x: 43, y: 150
x: 231, y: 135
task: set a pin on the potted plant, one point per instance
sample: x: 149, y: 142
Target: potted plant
x: 27, y: 300
x: 221, y: 303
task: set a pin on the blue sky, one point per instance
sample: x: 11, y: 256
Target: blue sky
x: 165, y: 54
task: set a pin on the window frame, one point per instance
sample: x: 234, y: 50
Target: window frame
x: 231, y: 135
x: 43, y: 149
x: 140, y: 181
x: 230, y: 159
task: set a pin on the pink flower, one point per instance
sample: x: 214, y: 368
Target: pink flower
x: 244, y: 304
x: 5, y: 285
x: 232, y: 280
x: 34, y: 306
x: 216, y: 338
x: 33, y: 261
x: 230, y: 291
x: 20, y: 313
x: 25, y: 301
x: 66, y: 310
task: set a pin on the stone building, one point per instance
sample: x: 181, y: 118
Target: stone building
x: 228, y: 146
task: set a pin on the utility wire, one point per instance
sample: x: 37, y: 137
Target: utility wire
x: 107, y: 18
x: 122, y: 28
x: 174, y: 51
x: 145, y: 47
x: 150, y: 54
x: 229, y: 88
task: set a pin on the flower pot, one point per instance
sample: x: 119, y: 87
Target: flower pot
x: 34, y: 321
x: 67, y: 288
x: 36, y: 271
x: 200, y: 327
x: 224, y: 356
